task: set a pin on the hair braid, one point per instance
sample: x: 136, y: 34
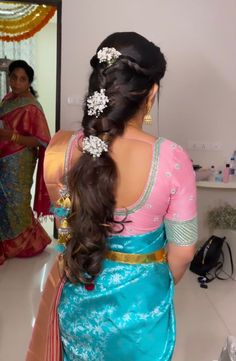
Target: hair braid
x: 93, y: 181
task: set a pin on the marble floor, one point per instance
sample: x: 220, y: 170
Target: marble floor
x: 204, y: 317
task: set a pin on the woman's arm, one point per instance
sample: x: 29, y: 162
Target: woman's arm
x: 9, y: 135
x: 181, y: 217
x: 179, y: 258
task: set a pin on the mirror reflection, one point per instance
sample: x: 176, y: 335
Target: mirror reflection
x: 24, y: 136
x: 28, y: 68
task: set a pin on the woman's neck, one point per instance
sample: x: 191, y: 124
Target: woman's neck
x: 133, y: 128
x: 136, y: 122
x: 23, y: 95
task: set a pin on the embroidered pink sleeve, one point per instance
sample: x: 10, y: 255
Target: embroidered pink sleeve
x: 181, y: 217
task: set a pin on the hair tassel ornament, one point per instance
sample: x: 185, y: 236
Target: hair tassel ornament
x: 62, y: 212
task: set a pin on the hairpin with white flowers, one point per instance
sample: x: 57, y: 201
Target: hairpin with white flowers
x: 94, y: 146
x: 108, y: 55
x: 97, y: 102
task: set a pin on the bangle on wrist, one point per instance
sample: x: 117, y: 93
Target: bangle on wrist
x: 15, y: 137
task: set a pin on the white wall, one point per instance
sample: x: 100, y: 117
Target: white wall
x: 45, y: 83
x: 84, y: 25
x: 197, y: 99
x: 45, y: 70
x: 198, y: 39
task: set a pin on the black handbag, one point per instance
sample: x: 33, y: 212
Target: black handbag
x: 209, y: 259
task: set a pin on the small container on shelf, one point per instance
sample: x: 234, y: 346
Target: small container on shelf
x: 226, y: 173
x: 219, y: 176
x: 213, y: 173
x: 232, y: 169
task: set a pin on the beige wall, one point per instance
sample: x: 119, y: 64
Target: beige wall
x: 197, y: 99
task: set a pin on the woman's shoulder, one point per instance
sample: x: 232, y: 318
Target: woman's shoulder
x: 61, y: 151
x: 60, y: 137
x: 168, y: 143
x: 64, y: 145
x: 171, y: 151
x: 8, y: 96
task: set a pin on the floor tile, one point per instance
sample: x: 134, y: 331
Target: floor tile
x: 201, y: 332
x: 17, y: 311
x: 223, y: 300
x: 26, y: 273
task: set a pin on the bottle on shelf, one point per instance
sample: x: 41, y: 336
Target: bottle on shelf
x: 219, y: 176
x: 226, y: 173
x: 232, y: 169
x: 213, y: 174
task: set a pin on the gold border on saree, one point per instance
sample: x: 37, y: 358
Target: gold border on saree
x: 131, y: 258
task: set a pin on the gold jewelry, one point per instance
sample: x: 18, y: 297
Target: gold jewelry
x: 15, y: 138
x: 131, y: 258
x: 148, y: 118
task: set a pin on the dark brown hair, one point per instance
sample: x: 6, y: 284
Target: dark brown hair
x: 22, y: 64
x: 92, y: 181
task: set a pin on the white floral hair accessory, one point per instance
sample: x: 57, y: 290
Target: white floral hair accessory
x: 97, y: 102
x: 94, y: 146
x: 108, y: 55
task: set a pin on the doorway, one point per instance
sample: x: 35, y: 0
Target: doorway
x: 43, y: 52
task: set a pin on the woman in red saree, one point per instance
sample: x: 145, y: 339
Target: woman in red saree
x: 24, y: 135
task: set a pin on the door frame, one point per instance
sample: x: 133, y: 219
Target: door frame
x: 58, y: 5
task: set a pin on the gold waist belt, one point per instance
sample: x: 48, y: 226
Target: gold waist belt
x: 131, y: 258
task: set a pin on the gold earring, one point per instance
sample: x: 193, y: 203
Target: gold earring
x: 148, y: 118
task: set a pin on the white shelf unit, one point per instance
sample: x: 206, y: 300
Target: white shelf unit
x: 208, y: 184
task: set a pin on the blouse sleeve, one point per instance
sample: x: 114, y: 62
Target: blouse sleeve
x: 181, y: 216
x: 57, y: 158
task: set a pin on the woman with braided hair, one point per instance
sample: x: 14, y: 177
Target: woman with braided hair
x: 126, y: 203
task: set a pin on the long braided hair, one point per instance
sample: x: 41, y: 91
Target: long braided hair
x: 92, y: 181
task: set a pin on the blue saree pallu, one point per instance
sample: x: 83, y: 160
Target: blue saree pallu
x: 129, y: 315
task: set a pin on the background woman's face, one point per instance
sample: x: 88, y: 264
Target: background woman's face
x: 19, y: 81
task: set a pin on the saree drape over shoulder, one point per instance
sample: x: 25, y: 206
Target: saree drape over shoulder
x: 21, y: 234
x: 129, y: 315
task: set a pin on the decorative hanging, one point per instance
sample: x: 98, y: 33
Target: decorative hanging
x: 20, y: 21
